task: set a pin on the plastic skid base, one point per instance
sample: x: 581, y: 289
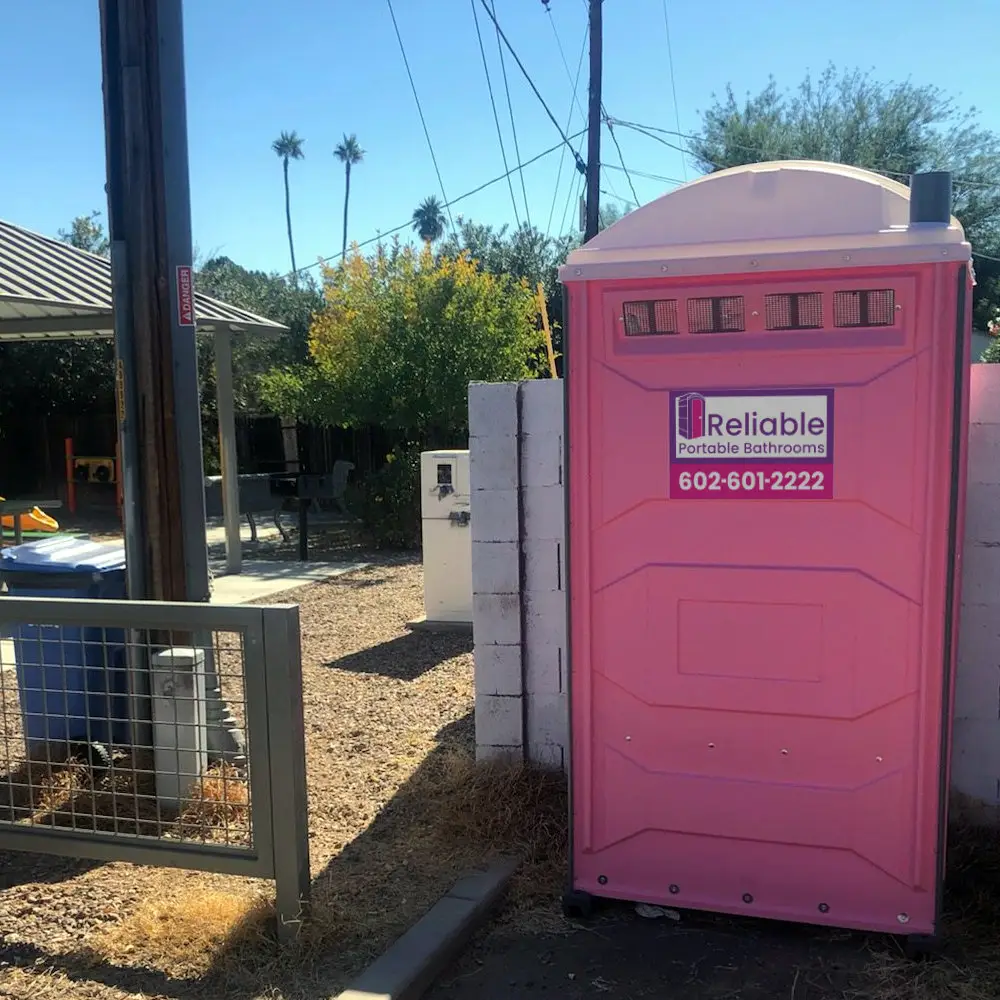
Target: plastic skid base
x: 577, y: 904
x: 921, y: 946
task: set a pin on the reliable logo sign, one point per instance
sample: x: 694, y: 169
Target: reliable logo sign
x: 781, y: 432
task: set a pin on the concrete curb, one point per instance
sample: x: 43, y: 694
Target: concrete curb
x: 414, y: 961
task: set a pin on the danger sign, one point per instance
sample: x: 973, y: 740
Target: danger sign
x: 185, y: 296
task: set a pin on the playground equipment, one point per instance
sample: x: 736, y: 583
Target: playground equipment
x: 85, y: 470
x: 34, y: 519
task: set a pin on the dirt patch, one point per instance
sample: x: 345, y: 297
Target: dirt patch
x: 387, y: 715
x: 397, y: 812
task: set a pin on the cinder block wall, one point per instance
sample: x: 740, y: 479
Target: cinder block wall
x: 975, y: 760
x: 518, y: 579
x: 518, y: 574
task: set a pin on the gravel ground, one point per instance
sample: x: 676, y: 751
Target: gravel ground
x: 387, y: 714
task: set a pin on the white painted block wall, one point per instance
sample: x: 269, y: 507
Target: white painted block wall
x: 975, y: 759
x: 518, y: 580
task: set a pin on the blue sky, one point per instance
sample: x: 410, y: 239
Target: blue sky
x: 325, y: 67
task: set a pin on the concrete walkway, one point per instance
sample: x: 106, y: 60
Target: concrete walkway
x: 262, y: 578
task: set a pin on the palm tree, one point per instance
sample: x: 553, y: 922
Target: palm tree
x: 288, y: 146
x: 429, y: 220
x: 349, y: 153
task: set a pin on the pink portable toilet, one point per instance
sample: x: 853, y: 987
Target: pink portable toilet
x: 767, y: 381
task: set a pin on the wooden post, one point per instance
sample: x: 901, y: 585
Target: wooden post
x: 150, y: 228
x: 594, y: 125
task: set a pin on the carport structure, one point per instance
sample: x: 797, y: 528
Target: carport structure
x: 50, y: 290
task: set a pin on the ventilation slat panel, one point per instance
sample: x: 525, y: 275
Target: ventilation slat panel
x: 868, y: 307
x: 720, y: 314
x: 794, y: 311
x: 650, y: 318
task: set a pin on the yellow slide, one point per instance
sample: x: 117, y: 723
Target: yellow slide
x: 37, y: 520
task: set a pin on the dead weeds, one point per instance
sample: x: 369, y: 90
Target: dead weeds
x: 969, y: 966
x: 185, y: 934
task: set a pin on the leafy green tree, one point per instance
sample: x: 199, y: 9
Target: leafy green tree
x: 86, y: 232
x: 892, y: 128
x: 429, y: 220
x: 288, y: 146
x: 350, y: 154
x: 401, y: 336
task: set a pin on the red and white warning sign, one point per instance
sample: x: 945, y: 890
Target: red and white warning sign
x: 185, y: 296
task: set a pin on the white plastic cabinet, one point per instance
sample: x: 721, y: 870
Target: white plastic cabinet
x: 447, y: 537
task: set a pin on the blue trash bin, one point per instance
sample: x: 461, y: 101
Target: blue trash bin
x: 72, y: 681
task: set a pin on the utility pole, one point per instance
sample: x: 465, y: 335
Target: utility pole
x: 149, y: 214
x: 594, y: 124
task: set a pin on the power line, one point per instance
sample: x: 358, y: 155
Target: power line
x: 580, y: 165
x: 420, y: 111
x: 648, y: 129
x: 621, y: 159
x: 454, y: 201
x: 647, y: 175
x: 510, y: 109
x: 673, y: 83
x: 574, y: 84
x: 569, y: 120
x: 496, y: 117
x: 574, y: 193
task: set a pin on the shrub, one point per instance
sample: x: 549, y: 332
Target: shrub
x: 388, y: 501
x: 992, y: 353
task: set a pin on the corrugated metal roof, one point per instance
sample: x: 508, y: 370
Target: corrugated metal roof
x: 49, y: 289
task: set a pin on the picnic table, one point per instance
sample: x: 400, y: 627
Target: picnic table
x: 15, y: 508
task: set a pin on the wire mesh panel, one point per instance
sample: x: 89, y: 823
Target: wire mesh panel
x: 164, y: 734
x: 108, y: 731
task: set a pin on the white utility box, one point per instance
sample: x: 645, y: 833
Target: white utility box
x: 447, y: 537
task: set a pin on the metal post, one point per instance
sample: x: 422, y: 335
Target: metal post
x: 287, y: 760
x: 150, y: 225
x: 227, y: 448
x: 303, y: 526
x: 594, y: 125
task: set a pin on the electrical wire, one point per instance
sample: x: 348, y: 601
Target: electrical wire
x: 496, y: 116
x: 573, y: 195
x: 673, y: 83
x: 648, y: 129
x: 569, y: 121
x: 575, y: 85
x: 454, y: 201
x: 580, y: 165
x: 510, y: 109
x: 420, y: 111
x: 621, y: 159
x: 647, y: 175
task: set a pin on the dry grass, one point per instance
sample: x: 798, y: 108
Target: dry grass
x: 505, y: 809
x: 185, y: 934
x: 969, y: 967
x: 219, y: 807
x: 398, y: 811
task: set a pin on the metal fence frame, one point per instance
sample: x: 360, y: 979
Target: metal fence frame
x: 272, y: 677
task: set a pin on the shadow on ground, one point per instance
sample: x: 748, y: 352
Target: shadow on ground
x: 409, y: 855
x: 620, y: 955
x: 363, y: 899
x: 408, y: 656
